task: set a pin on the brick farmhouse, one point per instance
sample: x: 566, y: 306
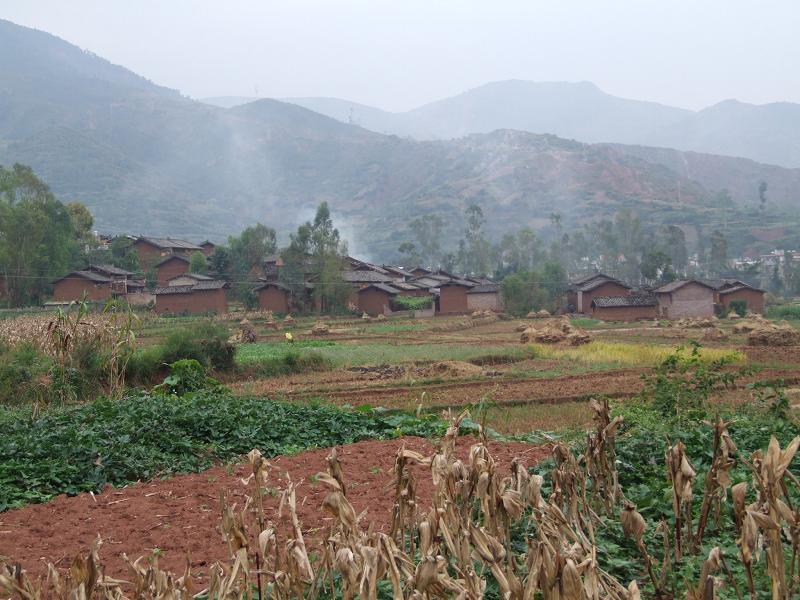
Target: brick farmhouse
x: 582, y: 291
x: 96, y: 283
x: 274, y: 296
x: 625, y: 308
x: 170, y: 267
x: 685, y: 298
x: 152, y: 249
x: 207, y: 296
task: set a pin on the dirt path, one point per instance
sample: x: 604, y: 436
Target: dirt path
x: 181, y: 515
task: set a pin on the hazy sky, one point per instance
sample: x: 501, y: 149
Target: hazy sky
x: 399, y: 54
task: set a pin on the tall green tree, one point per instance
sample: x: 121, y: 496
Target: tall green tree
x: 198, y: 263
x: 37, y: 236
x: 316, y: 253
x: 427, y: 233
x: 718, y: 256
x: 247, y: 253
x: 522, y: 292
x: 476, y: 249
x: 250, y: 248
x: 672, y: 239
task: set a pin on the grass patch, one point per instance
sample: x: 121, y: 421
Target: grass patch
x: 83, y: 448
x: 784, y: 311
x: 354, y: 355
x: 262, y: 351
x: 557, y: 418
x: 626, y: 355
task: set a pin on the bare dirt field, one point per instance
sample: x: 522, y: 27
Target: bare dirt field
x: 180, y: 516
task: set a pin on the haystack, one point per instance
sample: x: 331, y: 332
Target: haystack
x: 713, y: 334
x: 247, y: 332
x: 746, y: 326
x: 272, y: 325
x: 380, y: 317
x: 774, y: 335
x: 555, y: 331
x: 288, y: 320
x: 365, y: 317
x: 449, y: 368
x: 320, y: 329
x: 734, y: 315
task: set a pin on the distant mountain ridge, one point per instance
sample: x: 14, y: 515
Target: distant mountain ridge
x: 147, y: 160
x: 768, y: 133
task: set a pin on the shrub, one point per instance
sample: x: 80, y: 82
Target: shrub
x: 739, y: 307
x: 185, y: 376
x: 205, y: 342
x: 412, y: 302
x: 785, y: 311
x: 23, y: 375
x: 290, y: 362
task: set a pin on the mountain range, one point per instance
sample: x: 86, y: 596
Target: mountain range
x: 768, y: 133
x: 146, y: 159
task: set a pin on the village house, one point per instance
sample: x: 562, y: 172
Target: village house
x: 485, y: 296
x: 453, y: 297
x: 200, y: 298
x: 685, y: 298
x: 624, y: 308
x: 207, y: 248
x: 152, y: 249
x: 274, y: 296
x: 731, y: 290
x: 376, y: 298
x: 189, y: 279
x: 97, y: 282
x: 170, y: 267
x: 582, y: 291
x: 82, y: 284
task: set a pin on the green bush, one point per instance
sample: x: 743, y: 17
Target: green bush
x: 784, y: 311
x: 290, y: 362
x: 412, y: 302
x: 23, y: 375
x: 739, y: 307
x: 205, y: 342
x: 185, y: 376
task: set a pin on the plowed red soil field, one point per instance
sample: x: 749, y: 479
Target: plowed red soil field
x: 180, y: 516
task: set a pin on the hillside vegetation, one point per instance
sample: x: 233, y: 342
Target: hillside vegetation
x: 143, y: 158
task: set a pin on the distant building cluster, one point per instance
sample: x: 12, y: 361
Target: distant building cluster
x: 610, y: 299
x: 374, y: 289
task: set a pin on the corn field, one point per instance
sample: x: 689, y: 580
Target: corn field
x: 467, y: 543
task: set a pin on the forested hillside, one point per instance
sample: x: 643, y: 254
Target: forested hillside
x: 145, y: 159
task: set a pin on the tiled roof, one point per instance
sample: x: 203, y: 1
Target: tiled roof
x: 459, y: 282
x: 407, y: 285
x: 426, y: 282
x: 365, y: 277
x: 624, y: 301
x: 678, y: 284
x: 214, y: 284
x: 267, y: 284
x: 109, y: 270
x: 738, y: 288
x: 399, y: 271
x: 596, y: 283
x: 174, y: 289
x: 381, y: 286
x: 90, y: 275
x: 169, y: 257
x: 169, y: 243
x: 485, y: 288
